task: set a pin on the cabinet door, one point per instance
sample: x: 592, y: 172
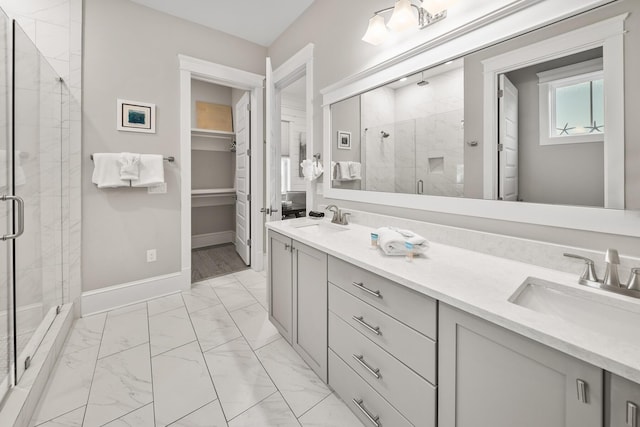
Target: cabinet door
x: 622, y: 402
x: 489, y: 376
x: 310, y: 307
x: 280, y: 285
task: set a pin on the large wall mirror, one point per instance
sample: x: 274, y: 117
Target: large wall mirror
x: 536, y: 119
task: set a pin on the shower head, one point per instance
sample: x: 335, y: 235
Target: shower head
x: 384, y: 134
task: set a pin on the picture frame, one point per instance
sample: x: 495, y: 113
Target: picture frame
x: 135, y: 116
x: 344, y: 140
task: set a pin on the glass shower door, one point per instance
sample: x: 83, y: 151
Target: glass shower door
x: 6, y: 319
x: 37, y: 172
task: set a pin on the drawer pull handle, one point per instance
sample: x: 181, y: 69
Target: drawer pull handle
x: 373, y: 419
x: 367, y: 290
x: 632, y: 414
x: 582, y: 391
x: 374, y: 329
x: 372, y: 371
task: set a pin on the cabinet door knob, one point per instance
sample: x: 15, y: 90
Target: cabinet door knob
x: 582, y: 391
x: 632, y: 414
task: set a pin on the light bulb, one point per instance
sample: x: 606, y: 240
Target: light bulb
x: 403, y: 17
x: 376, y: 32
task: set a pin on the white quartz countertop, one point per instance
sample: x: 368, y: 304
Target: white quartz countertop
x: 479, y: 284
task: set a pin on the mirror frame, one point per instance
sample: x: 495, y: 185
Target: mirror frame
x: 612, y: 221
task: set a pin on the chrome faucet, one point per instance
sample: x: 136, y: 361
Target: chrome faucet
x: 339, y: 217
x: 611, y: 281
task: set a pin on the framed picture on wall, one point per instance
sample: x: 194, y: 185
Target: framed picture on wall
x: 344, y: 140
x: 136, y: 116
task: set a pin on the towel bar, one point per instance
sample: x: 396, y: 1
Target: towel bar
x: 169, y: 159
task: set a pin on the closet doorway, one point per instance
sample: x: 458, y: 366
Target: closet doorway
x: 220, y: 180
x: 221, y: 124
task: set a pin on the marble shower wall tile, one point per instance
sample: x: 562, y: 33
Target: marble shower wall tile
x: 121, y: 384
x: 181, y: 383
x: 240, y: 380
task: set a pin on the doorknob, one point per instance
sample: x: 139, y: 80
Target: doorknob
x: 20, y: 203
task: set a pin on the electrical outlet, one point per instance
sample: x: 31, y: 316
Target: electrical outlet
x: 157, y: 189
x: 151, y: 255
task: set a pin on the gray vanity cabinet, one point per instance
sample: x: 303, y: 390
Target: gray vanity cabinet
x: 622, y: 399
x: 310, y: 306
x: 297, y: 295
x: 489, y: 376
x: 280, y: 284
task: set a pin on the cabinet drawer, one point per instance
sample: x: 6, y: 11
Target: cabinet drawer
x: 410, y: 347
x: 413, y: 396
x: 353, y: 390
x: 409, y: 307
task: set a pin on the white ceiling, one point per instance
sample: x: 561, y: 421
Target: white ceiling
x: 259, y: 21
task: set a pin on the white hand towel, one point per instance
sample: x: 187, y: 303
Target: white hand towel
x: 106, y: 171
x: 343, y: 170
x: 392, y: 241
x: 334, y: 170
x: 151, y: 171
x: 317, y: 169
x: 129, y: 166
x: 307, y: 169
x: 355, y: 169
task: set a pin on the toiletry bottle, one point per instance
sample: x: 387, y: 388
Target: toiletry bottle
x: 409, y: 253
x: 374, y: 240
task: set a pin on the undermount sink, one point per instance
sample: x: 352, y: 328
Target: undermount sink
x: 319, y: 226
x: 588, y: 308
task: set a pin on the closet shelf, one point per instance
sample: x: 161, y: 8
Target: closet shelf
x: 209, y: 133
x: 212, y: 192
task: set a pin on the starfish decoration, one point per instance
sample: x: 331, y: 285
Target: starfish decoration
x: 595, y: 127
x: 565, y: 130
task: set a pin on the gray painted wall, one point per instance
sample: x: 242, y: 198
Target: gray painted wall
x: 571, y: 174
x: 130, y: 52
x: 340, y: 53
x: 345, y: 117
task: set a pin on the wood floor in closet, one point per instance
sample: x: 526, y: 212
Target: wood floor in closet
x: 214, y: 261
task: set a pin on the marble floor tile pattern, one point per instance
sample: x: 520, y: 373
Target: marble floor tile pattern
x: 205, y: 357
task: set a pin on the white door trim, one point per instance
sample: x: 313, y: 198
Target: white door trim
x: 299, y: 65
x: 194, y: 68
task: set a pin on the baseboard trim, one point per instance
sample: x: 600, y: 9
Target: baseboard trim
x: 133, y: 292
x: 210, y: 239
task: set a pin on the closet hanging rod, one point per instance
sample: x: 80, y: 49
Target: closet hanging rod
x: 169, y: 159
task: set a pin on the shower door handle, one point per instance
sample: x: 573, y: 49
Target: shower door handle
x: 20, y: 203
x: 420, y: 187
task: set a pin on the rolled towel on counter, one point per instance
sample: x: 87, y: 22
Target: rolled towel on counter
x: 392, y: 241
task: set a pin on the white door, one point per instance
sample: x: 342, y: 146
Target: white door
x: 242, y: 127
x: 274, y: 198
x: 508, y: 140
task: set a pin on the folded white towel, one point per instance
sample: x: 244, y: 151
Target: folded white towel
x: 392, y: 241
x: 343, y: 170
x: 355, y: 169
x: 151, y: 171
x: 106, y: 171
x: 311, y: 169
x: 129, y: 166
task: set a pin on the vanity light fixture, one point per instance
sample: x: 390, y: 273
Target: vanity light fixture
x: 404, y: 17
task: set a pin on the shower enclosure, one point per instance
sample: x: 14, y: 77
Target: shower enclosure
x: 34, y: 129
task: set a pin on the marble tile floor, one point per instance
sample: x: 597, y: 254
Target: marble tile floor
x: 205, y: 357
